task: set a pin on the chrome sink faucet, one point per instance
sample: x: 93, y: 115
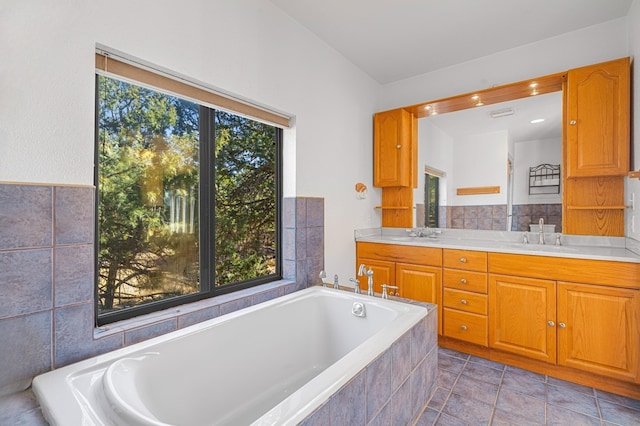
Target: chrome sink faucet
x: 541, y: 233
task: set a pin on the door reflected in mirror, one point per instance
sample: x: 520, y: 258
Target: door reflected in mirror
x: 486, y: 147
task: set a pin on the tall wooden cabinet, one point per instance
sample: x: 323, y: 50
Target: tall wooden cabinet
x: 596, y: 148
x: 597, y: 112
x: 395, y: 167
x: 393, y: 149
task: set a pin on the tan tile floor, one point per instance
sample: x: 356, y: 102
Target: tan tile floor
x: 475, y: 391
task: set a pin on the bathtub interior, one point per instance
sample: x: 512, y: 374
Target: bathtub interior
x: 278, y: 350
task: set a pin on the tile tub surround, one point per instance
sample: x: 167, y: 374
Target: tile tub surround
x: 47, y: 279
x: 392, y: 389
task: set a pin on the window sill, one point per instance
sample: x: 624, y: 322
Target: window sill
x: 162, y: 322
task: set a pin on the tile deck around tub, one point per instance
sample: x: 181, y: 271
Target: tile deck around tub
x: 476, y: 391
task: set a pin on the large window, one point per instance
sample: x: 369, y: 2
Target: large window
x: 188, y: 200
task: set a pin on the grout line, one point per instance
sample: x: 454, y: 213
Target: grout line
x: 495, y: 402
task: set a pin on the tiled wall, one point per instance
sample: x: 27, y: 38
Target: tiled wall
x: 494, y: 217
x: 47, y: 280
x: 486, y: 217
x: 526, y: 214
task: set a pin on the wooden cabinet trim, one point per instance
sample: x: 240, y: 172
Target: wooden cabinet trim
x: 603, y: 272
x: 428, y: 256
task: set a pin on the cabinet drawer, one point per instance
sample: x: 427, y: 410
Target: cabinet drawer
x: 465, y: 259
x: 465, y: 326
x: 430, y: 256
x: 465, y: 301
x: 465, y: 280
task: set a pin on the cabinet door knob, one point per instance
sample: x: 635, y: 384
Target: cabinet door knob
x: 551, y: 323
x: 463, y: 259
x: 562, y: 325
x: 398, y: 146
x: 573, y: 122
x: 463, y: 301
x: 463, y: 281
x: 463, y: 327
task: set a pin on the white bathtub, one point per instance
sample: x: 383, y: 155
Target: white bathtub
x: 274, y: 363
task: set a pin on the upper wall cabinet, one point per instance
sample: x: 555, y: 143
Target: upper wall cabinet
x: 394, y: 149
x: 597, y: 108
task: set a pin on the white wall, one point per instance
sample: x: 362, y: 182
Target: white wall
x: 530, y: 154
x: 632, y: 217
x: 583, y: 47
x: 479, y: 160
x: 435, y: 149
x: 249, y: 48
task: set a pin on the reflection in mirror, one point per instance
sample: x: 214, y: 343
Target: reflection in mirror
x: 487, y: 147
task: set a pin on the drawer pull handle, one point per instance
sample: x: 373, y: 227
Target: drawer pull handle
x: 463, y: 301
x: 463, y: 259
x: 463, y: 281
x: 463, y: 327
x: 562, y: 325
x: 551, y: 323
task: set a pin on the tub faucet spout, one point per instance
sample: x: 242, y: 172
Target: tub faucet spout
x: 369, y: 274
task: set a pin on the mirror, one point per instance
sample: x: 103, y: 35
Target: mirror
x: 474, y: 165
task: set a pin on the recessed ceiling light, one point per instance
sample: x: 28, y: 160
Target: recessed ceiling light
x: 537, y: 120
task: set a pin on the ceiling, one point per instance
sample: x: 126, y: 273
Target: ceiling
x: 391, y: 40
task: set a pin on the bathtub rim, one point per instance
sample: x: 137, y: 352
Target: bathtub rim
x: 62, y: 403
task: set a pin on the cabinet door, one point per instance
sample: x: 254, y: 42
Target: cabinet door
x: 598, y: 103
x: 598, y: 330
x: 383, y: 273
x: 522, y: 316
x: 393, y: 149
x: 419, y: 282
x: 422, y: 283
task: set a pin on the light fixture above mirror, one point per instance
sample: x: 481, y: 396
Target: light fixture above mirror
x: 493, y: 95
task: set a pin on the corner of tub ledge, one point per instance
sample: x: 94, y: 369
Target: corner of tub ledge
x: 429, y: 306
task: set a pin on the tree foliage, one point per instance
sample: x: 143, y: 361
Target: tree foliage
x: 148, y: 183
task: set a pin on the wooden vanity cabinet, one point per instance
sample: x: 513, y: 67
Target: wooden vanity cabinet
x: 576, y: 313
x: 522, y: 316
x: 416, y: 271
x: 464, y: 296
